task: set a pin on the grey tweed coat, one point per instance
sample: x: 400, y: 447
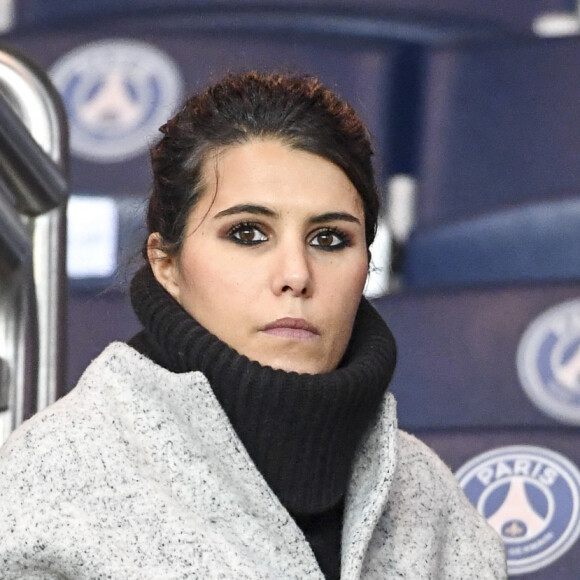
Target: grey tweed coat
x: 138, y: 474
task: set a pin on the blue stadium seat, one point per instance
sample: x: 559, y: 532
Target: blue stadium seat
x: 524, y: 481
x: 489, y: 377
x: 499, y: 168
x: 458, y: 355
x: 525, y: 243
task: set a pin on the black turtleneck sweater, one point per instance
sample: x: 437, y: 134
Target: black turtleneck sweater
x: 300, y: 430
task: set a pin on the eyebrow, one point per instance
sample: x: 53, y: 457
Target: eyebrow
x: 334, y: 216
x: 262, y: 210
x: 246, y: 208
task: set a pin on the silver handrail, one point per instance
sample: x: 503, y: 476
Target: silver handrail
x: 34, y: 150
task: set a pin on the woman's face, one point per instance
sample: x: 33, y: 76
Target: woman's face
x: 275, y: 263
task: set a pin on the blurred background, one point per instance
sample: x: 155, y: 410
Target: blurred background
x: 474, y: 110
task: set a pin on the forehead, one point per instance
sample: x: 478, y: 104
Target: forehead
x: 272, y: 173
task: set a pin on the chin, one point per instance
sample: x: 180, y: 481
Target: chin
x: 289, y: 358
x: 301, y: 367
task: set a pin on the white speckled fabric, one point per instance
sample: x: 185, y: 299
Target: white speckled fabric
x: 137, y: 474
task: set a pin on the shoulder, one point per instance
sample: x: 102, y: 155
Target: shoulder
x: 80, y: 404
x: 66, y: 437
x: 427, y: 504
x: 423, y: 475
x: 418, y: 464
x: 62, y: 461
x: 422, y: 483
x: 106, y: 420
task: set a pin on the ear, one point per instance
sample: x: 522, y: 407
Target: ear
x: 165, y: 267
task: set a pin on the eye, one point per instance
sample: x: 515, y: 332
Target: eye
x: 330, y: 239
x: 247, y: 234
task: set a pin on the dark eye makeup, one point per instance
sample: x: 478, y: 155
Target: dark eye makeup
x: 247, y: 234
x: 328, y: 239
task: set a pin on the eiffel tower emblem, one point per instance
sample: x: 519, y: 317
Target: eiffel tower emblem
x: 112, y: 103
x: 567, y: 368
x: 517, y: 519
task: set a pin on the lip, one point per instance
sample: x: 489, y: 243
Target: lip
x: 296, y: 328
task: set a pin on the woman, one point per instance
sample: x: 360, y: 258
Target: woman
x: 246, y: 431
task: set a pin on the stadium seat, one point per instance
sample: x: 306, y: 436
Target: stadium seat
x: 499, y: 167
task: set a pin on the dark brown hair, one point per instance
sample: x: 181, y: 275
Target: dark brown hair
x: 297, y: 110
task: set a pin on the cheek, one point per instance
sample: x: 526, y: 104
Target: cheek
x: 345, y: 291
x: 197, y: 282
x: 354, y: 279
x: 223, y: 283
x: 363, y: 272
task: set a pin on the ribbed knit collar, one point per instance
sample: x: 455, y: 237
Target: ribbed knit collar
x: 300, y: 430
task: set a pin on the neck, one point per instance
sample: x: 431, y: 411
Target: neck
x: 300, y: 430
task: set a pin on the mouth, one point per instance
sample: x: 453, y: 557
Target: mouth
x: 293, y: 328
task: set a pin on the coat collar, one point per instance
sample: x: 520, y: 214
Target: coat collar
x: 373, y: 473
x: 200, y: 427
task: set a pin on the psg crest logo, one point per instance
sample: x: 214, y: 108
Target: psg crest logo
x: 548, y: 362
x: 531, y: 497
x: 117, y: 94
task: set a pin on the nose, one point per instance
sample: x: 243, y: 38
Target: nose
x: 291, y: 271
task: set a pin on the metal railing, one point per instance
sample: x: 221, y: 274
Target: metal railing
x: 33, y: 194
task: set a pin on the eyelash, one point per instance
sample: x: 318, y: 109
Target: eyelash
x: 343, y: 237
x: 240, y: 228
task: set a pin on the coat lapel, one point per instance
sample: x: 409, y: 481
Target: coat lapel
x: 368, y: 493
